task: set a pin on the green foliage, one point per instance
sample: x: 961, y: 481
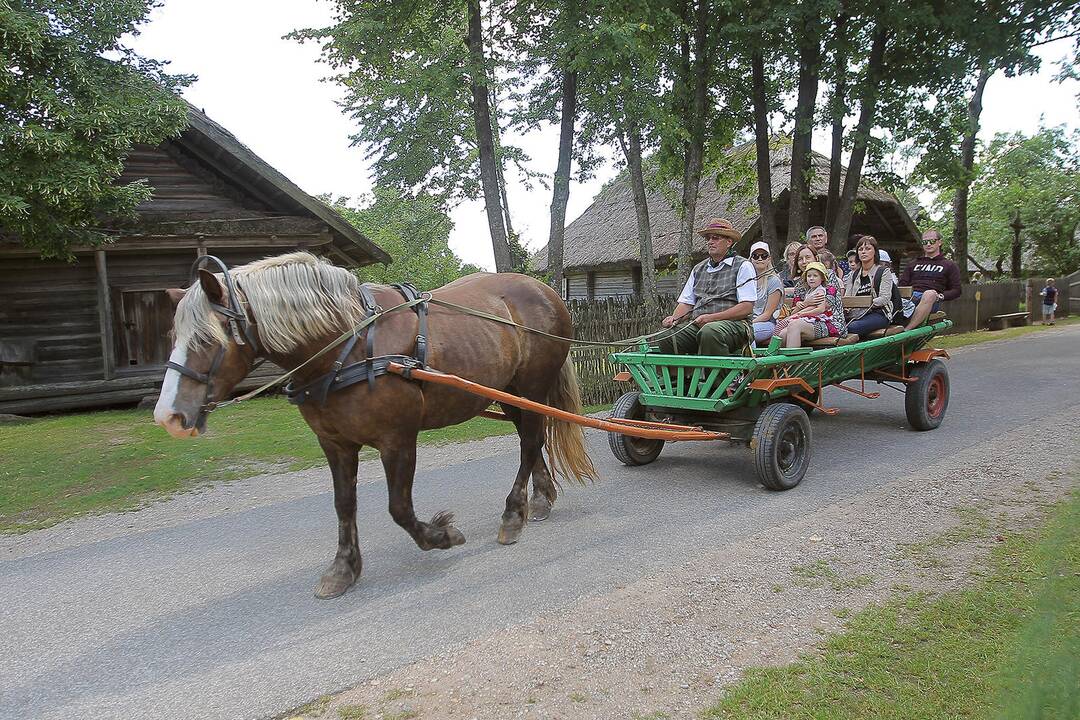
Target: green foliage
x: 1039, y: 176
x: 405, y: 69
x: 73, y: 100
x: 414, y: 231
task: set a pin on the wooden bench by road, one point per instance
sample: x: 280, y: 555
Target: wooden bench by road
x: 1016, y: 319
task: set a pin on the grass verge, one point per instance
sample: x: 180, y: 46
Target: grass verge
x: 946, y: 342
x: 1009, y: 647
x: 58, y: 467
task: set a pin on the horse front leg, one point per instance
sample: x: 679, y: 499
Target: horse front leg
x: 399, y: 462
x: 345, y: 569
x: 531, y: 431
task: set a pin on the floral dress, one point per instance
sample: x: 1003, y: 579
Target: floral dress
x: 830, y: 323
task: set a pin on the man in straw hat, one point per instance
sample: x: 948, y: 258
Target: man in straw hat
x: 718, y: 299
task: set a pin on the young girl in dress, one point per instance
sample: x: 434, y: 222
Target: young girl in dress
x: 820, y: 314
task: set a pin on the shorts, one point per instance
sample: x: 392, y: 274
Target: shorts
x: 1048, y: 310
x: 917, y: 295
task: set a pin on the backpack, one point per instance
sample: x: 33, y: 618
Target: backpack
x: 897, y: 301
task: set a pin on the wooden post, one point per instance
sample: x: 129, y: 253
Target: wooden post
x: 108, y: 362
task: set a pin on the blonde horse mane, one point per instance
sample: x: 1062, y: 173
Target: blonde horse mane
x: 295, y: 298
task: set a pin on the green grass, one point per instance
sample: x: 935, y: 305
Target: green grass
x: 58, y: 467
x: 1008, y: 647
x: 947, y: 342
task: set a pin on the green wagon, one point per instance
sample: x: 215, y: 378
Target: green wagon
x: 764, y: 401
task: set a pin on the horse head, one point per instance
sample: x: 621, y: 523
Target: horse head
x: 215, y: 347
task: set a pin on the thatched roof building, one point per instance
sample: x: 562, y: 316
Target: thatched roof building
x: 604, y: 238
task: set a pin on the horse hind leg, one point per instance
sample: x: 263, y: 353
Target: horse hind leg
x: 347, y: 564
x: 531, y: 431
x: 544, y: 489
x: 544, y: 492
x: 399, y: 462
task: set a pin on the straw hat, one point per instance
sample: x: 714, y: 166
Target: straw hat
x: 721, y: 227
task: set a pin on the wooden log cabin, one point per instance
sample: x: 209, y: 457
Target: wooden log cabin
x: 95, y: 332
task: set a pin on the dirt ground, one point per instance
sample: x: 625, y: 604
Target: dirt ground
x: 666, y: 646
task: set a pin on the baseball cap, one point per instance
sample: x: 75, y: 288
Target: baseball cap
x: 883, y: 256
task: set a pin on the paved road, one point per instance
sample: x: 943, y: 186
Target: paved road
x: 214, y: 618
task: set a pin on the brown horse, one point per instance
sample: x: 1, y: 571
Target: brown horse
x: 288, y: 308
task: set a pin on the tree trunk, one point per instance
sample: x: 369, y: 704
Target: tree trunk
x: 967, y: 164
x: 1017, y: 271
x: 695, y: 144
x: 837, y: 110
x: 561, y: 194
x: 630, y: 142
x: 489, y: 170
x: 764, y: 154
x: 867, y: 111
x: 801, y: 139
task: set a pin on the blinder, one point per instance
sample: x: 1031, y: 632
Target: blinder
x: 240, y: 326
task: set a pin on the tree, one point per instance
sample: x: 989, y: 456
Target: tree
x: 68, y: 116
x: 413, y: 231
x: 418, y: 83
x: 1039, y: 176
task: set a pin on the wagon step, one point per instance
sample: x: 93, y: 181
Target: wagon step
x: 633, y: 428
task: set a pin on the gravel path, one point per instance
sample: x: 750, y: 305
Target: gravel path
x: 666, y: 645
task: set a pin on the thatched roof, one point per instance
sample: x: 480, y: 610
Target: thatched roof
x: 605, y: 235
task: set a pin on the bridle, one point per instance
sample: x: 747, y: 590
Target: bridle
x: 241, y: 327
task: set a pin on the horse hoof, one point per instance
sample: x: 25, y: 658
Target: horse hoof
x: 539, y: 508
x: 334, y: 583
x: 510, y: 532
x: 454, y: 536
x: 332, y: 587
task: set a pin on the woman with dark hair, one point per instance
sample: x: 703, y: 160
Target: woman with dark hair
x: 870, y: 279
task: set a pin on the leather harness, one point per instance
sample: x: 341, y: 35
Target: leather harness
x: 341, y: 376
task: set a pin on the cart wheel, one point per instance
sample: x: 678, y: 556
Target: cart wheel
x: 631, y: 450
x: 927, y: 398
x: 781, y: 446
x: 814, y: 396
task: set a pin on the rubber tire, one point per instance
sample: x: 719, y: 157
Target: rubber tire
x: 815, y: 396
x: 927, y: 399
x: 631, y: 450
x: 781, y: 429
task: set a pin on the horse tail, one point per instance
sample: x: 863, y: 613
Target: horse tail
x: 566, y: 441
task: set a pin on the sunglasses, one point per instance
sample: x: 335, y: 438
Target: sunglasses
x: 930, y: 242
x: 760, y: 256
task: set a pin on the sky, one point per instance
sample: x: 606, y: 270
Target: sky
x: 269, y: 93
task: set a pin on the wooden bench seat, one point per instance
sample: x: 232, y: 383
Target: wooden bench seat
x: 1016, y: 319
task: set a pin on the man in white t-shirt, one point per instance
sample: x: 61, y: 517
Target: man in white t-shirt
x: 718, y: 299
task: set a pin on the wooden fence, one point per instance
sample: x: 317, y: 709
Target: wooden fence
x: 995, y: 298
x: 604, y: 320
x: 1068, y: 296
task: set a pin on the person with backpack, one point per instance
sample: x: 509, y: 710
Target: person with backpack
x: 870, y: 278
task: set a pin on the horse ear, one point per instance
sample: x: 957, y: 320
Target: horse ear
x: 175, y: 295
x: 211, y: 286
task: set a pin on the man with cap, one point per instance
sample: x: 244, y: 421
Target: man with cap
x: 718, y: 299
x: 884, y: 259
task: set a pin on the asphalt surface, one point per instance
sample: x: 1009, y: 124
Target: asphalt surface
x: 214, y: 618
